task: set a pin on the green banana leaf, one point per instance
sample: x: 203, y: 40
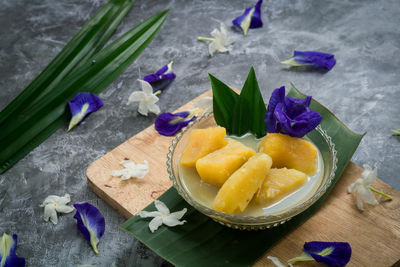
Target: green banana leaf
x: 36, y: 123
x: 89, y: 40
x: 203, y: 242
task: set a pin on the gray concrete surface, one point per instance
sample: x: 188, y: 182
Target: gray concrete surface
x: 363, y: 90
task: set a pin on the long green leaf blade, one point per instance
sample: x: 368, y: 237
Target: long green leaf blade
x: 249, y: 112
x: 224, y: 101
x: 93, y: 76
x: 89, y: 40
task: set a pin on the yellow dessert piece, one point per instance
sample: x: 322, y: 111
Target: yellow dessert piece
x: 290, y: 152
x: 239, y: 189
x: 218, y: 166
x: 278, y: 182
x: 201, y: 143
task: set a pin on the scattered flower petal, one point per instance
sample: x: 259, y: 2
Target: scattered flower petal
x: 277, y: 262
x: 132, y: 170
x: 90, y: 222
x: 8, y: 258
x: 81, y: 105
x: 290, y: 116
x: 147, y: 100
x: 205, y: 103
x: 53, y: 204
x: 162, y: 78
x: 363, y: 187
x: 163, y: 216
x: 169, y: 124
x: 311, y: 58
x: 251, y: 18
x: 220, y: 41
x: 396, y: 132
x: 332, y: 253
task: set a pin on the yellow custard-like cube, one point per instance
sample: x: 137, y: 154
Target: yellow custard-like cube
x: 218, y: 166
x: 239, y: 189
x: 278, y: 182
x: 290, y: 152
x: 201, y: 143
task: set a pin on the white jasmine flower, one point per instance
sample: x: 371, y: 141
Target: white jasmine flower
x: 277, y: 262
x: 163, y: 216
x: 363, y: 192
x: 132, y: 170
x: 220, y: 41
x: 53, y: 204
x: 205, y: 103
x: 147, y: 100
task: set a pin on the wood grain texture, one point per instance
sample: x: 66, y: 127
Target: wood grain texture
x: 373, y: 234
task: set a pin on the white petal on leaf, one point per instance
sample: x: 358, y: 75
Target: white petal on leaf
x: 161, y: 207
x: 163, y: 216
x: 155, y: 223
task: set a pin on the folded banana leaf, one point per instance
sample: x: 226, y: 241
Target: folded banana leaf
x: 89, y: 40
x: 203, y: 242
x: 36, y: 122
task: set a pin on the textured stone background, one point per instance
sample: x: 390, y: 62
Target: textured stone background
x: 363, y: 90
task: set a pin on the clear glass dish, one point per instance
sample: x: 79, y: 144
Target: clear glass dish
x: 319, y: 137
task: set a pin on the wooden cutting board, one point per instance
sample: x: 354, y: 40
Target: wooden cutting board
x: 373, y: 234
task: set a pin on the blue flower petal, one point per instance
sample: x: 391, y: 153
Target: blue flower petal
x: 90, y: 222
x: 289, y: 115
x: 311, y: 58
x: 8, y: 258
x: 81, y: 105
x: 331, y: 253
x: 169, y: 124
x: 162, y: 78
x: 251, y: 18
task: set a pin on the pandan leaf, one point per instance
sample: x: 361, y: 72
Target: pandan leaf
x: 203, y: 242
x: 37, y: 122
x: 239, y: 114
x: 89, y: 40
x: 249, y: 112
x: 224, y: 102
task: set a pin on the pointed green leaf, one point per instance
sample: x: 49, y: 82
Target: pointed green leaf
x: 89, y: 40
x: 249, y: 112
x: 203, y: 242
x: 34, y: 123
x: 224, y: 101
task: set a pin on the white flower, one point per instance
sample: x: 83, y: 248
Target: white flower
x: 132, y: 170
x: 147, y: 100
x: 277, y: 262
x: 220, y: 41
x: 363, y: 193
x: 163, y: 216
x: 205, y: 103
x: 53, y: 204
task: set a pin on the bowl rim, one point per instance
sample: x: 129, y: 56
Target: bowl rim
x: 263, y: 219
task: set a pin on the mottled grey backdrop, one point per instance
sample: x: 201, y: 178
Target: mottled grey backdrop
x: 363, y: 90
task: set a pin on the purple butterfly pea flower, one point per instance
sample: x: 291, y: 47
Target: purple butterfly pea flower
x: 90, y: 222
x: 311, y: 58
x: 81, y: 105
x: 289, y: 115
x: 162, y: 78
x: 334, y: 254
x: 169, y: 124
x: 251, y: 18
x: 8, y: 258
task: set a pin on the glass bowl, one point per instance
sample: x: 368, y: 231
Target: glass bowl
x: 319, y: 137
